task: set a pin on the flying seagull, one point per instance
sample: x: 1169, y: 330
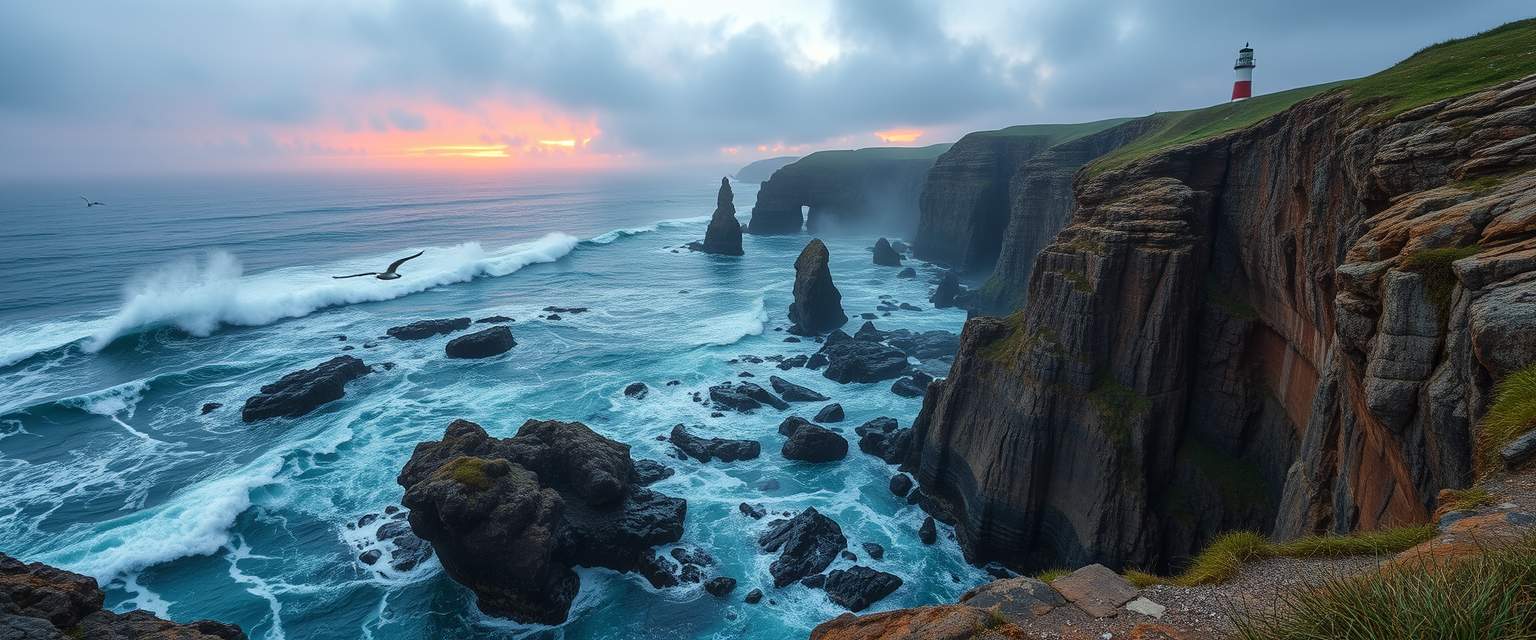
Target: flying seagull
x: 389, y: 274
x: 89, y: 203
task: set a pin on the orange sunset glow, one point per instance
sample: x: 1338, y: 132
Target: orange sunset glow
x: 899, y: 135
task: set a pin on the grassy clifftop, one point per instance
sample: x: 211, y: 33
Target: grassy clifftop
x: 1057, y: 133
x: 843, y: 157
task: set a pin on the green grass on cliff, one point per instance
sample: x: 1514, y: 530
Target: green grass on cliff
x: 1434, y: 265
x: 1512, y: 414
x: 1226, y: 555
x: 469, y: 472
x: 846, y: 157
x: 1057, y: 133
x: 1488, y: 596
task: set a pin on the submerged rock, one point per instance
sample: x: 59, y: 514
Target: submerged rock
x: 723, y: 237
x: 424, y: 329
x: 41, y: 602
x: 913, y: 386
x: 744, y: 396
x: 302, y: 391
x: 209, y: 407
x: 857, y: 587
x: 885, y: 256
x: 494, y: 320
x: 481, y: 344
x: 929, y: 532
x: 704, y: 450
x: 808, y: 542
x: 637, y: 390
x: 720, y: 586
x: 818, y: 305
x: 830, y: 413
x: 874, y: 550
x: 907, y: 273
x: 794, y: 392
x: 853, y: 360
x: 509, y: 517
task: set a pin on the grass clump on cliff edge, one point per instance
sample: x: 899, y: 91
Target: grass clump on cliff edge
x: 1512, y: 414
x: 1451, y: 68
x: 1054, y: 133
x: 1488, y: 596
x: 1468, y: 498
x: 1226, y: 555
x: 1439, y: 277
x: 468, y: 471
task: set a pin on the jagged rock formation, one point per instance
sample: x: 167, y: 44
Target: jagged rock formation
x: 967, y: 197
x: 423, y: 329
x: 723, y: 236
x: 302, y: 391
x: 39, y: 602
x: 885, y: 256
x: 867, y: 185
x: 509, y: 517
x: 1290, y: 327
x: 818, y: 305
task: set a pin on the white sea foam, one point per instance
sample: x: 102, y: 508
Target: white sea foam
x: 199, y: 297
x: 731, y: 328
x: 619, y: 234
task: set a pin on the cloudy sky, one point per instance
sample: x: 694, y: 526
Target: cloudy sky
x: 232, y: 85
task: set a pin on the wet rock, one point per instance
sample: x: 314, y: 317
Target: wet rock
x: 907, y: 273
x: 424, y: 329
x: 720, y: 586
x: 816, y: 361
x: 1017, y: 600
x: 885, y: 256
x: 552, y: 316
x: 744, y: 396
x: 755, y: 513
x: 944, y: 295
x: 494, y: 320
x: 41, y: 602
x: 481, y: 344
x: 928, y: 345
x: 793, y: 362
x: 745, y: 374
x: 852, y: 360
x: 704, y: 450
x: 874, y: 550
x: 929, y: 532
x: 907, y: 306
x: 658, y: 571
x: 509, y: 517
x: 881, y: 438
x: 754, y: 596
x: 811, y: 443
x: 723, y: 236
x: 692, y: 555
x: 791, y: 339
x: 901, y: 485
x: 830, y: 413
x: 807, y: 543
x: 794, y: 392
x: 814, y: 582
x: 302, y: 391
x: 868, y: 316
x: 817, y: 306
x: 913, y: 386
x: 867, y: 331
x: 370, y: 556
x: 848, y: 555
x: 209, y: 407
x: 673, y: 383
x: 570, y: 310
x: 637, y: 390
x: 1096, y: 590
x: 690, y: 573
x: 650, y: 471
x: 857, y: 587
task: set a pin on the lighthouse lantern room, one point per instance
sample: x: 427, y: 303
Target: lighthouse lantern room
x: 1242, y: 89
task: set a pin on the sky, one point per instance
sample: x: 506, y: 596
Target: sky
x: 163, y: 86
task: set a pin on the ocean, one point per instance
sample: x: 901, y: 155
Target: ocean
x: 118, y: 322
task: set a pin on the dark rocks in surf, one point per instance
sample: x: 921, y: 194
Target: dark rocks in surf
x: 406, y: 550
x: 853, y: 360
x: 794, y: 392
x: 806, y: 543
x: 649, y: 471
x: 704, y: 450
x: 509, y: 517
x: 754, y: 596
x: 481, y: 344
x: 569, y: 310
x: 302, y: 391
x: 423, y: 329
x: 810, y: 442
x: 907, y: 273
x: 720, y: 586
x: 874, y: 550
x: 723, y: 236
x: 637, y: 390
x: 928, y: 345
x: 494, y: 320
x: 929, y: 532
x: 901, y: 485
x: 885, y: 256
x: 41, y: 602
x: 818, y: 305
x: 913, y: 386
x: 949, y: 288
x: 857, y: 587
x: 884, y: 440
x: 743, y: 397
x: 830, y: 413
x: 210, y: 407
x: 750, y: 511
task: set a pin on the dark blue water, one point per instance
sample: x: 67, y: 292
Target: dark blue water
x: 117, y: 323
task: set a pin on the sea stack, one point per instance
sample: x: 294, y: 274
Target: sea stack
x: 723, y: 236
x: 885, y: 255
x: 818, y: 305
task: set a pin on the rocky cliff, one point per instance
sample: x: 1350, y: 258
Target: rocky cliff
x: 875, y: 186
x: 967, y: 197
x: 1291, y: 327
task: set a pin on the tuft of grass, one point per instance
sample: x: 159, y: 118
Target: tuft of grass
x: 1435, y: 266
x: 468, y: 471
x: 1468, y: 498
x: 1385, y: 541
x: 1488, y: 596
x: 1512, y: 414
x: 1143, y: 579
x: 1226, y: 555
x: 1449, y: 69
x: 1117, y: 404
x: 1223, y: 558
x: 1050, y: 575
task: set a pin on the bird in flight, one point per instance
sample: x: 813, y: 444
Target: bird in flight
x: 91, y: 203
x: 388, y: 274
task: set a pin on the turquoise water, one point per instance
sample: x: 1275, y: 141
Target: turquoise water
x: 117, y: 323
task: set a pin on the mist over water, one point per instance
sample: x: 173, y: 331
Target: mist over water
x: 128, y: 318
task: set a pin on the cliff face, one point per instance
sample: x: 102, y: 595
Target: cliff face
x: 967, y: 197
x: 1292, y: 328
x: 878, y: 185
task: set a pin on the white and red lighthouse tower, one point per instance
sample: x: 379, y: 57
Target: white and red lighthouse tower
x: 1242, y: 88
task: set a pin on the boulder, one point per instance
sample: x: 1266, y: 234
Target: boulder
x: 794, y: 392
x: 481, y: 344
x: 424, y: 329
x: 300, y: 392
x: 811, y: 443
x: 885, y: 256
x: 901, y: 485
x: 881, y: 438
x: 913, y: 386
x: 830, y: 413
x: 570, y: 310
x: 874, y: 550
x: 723, y: 236
x: 807, y: 543
x: 813, y: 581
x: 929, y: 532
x: 755, y: 513
x: 754, y: 596
x: 508, y: 518
x: 720, y: 586
x: 857, y: 587
x: 704, y: 450
x: 907, y: 273
x: 852, y: 360
x: 1096, y: 590
x: 494, y: 320
x: 818, y: 305
x: 648, y: 471
x: 692, y: 555
x: 636, y: 390
x: 944, y: 295
x: 406, y: 550
x: 209, y: 407
x: 41, y: 602
x: 1518, y: 452
x: 927, y: 345
x: 744, y: 396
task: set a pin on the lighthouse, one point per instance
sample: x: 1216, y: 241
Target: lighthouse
x: 1242, y: 88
